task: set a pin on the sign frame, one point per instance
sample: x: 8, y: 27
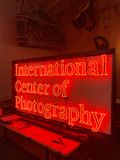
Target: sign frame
x: 67, y: 56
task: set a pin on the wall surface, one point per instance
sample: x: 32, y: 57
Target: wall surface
x: 8, y: 48
x: 107, y: 18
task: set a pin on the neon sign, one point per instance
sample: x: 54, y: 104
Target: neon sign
x: 91, y: 119
x: 82, y: 68
x: 74, y: 90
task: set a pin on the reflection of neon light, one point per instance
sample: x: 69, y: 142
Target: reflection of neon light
x: 90, y: 119
x: 96, y: 67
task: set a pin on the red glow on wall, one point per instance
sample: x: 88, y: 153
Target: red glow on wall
x: 74, y: 90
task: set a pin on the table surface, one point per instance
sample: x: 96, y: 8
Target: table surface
x: 47, y: 138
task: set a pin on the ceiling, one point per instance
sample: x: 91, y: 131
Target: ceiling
x: 53, y: 7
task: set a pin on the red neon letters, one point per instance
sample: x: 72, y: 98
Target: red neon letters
x: 68, y: 114
x: 42, y: 89
x: 38, y: 83
x: 62, y: 68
